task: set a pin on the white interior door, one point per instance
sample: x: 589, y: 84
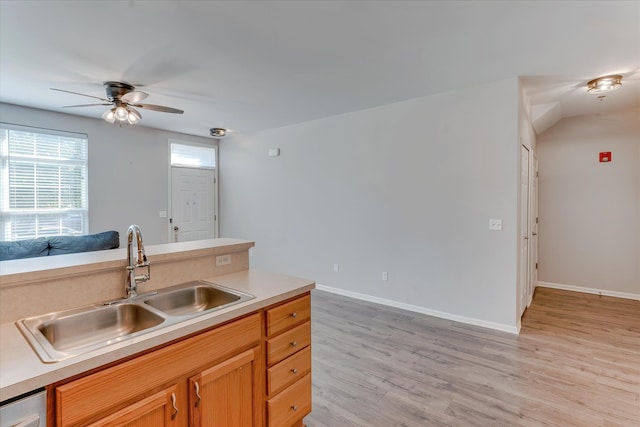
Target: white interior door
x: 525, y: 272
x: 192, y: 204
x: 533, y: 250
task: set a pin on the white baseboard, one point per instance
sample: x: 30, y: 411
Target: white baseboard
x: 418, y: 309
x: 603, y: 292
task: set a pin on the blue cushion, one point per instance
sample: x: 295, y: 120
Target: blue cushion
x: 24, y: 248
x: 59, y: 245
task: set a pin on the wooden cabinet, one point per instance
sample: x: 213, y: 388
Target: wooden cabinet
x: 158, y: 388
x: 284, y: 316
x: 288, y: 355
x: 224, y: 377
x: 223, y: 395
x: 288, y: 407
x: 159, y: 409
x: 288, y: 371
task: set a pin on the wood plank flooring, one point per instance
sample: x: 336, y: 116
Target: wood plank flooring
x: 576, y: 362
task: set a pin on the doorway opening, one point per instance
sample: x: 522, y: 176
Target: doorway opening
x: 193, y: 192
x: 528, y: 233
x: 525, y: 278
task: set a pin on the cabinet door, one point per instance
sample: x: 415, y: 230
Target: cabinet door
x: 159, y: 409
x: 227, y: 394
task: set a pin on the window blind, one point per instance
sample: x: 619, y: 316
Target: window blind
x: 43, y: 180
x: 193, y: 156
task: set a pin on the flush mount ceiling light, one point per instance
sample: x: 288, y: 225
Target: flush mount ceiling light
x: 218, y: 132
x: 604, y: 84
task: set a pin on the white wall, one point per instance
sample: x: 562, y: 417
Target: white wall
x: 406, y: 188
x: 590, y: 211
x: 128, y: 169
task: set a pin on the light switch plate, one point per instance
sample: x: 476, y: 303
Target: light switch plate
x: 495, y: 224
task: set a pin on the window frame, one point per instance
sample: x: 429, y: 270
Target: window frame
x: 63, y: 169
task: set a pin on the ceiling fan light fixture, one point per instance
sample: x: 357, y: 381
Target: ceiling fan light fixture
x: 132, y: 118
x: 604, y: 84
x: 121, y: 98
x: 121, y: 113
x: 109, y: 116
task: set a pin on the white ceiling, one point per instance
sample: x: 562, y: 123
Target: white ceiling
x: 252, y: 65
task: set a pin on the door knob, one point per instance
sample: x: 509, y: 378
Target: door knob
x: 534, y: 234
x: 176, y: 228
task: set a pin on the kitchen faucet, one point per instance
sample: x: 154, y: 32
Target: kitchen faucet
x: 131, y: 287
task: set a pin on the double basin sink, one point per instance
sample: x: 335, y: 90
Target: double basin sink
x: 61, y: 335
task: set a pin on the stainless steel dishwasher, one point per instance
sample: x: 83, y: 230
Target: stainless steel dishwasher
x: 29, y: 410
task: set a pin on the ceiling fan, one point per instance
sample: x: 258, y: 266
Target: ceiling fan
x: 122, y: 97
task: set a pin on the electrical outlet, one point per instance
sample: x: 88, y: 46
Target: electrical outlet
x: 385, y: 275
x: 495, y: 224
x: 223, y: 260
x: 336, y: 268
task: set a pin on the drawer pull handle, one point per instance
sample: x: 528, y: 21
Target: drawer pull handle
x: 294, y: 371
x: 175, y: 408
x: 293, y: 343
x: 294, y: 408
x: 294, y: 314
x: 198, y: 394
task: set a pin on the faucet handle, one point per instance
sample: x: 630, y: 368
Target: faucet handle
x: 144, y: 277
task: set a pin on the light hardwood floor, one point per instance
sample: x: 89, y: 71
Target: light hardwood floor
x: 576, y: 362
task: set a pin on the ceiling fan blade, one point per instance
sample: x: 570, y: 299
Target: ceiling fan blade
x: 85, y: 105
x: 134, y: 97
x: 81, y: 94
x: 159, y: 108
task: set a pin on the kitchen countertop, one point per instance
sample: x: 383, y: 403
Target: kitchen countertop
x: 22, y: 371
x: 27, y: 270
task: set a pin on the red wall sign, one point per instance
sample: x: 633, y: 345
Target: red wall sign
x: 605, y: 156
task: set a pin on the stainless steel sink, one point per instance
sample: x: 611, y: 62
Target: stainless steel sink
x: 67, y: 333
x: 103, y: 324
x: 61, y: 335
x: 195, y: 297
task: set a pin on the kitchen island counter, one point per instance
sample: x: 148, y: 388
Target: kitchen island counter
x: 21, y: 370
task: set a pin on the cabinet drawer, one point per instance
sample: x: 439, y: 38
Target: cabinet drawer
x: 284, y: 345
x: 288, y: 371
x: 291, y: 405
x: 287, y: 315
